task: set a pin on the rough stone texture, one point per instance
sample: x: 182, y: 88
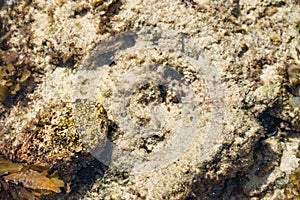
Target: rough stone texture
x: 254, y: 46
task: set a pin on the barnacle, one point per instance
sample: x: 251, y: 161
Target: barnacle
x: 297, y: 26
x: 102, y: 5
x: 95, y: 3
x: 294, y: 74
x: 294, y: 82
x: 276, y: 40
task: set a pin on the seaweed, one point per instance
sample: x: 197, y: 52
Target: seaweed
x: 12, y: 79
x: 26, y: 182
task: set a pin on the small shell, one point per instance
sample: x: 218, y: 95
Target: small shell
x: 25, y: 75
x: 294, y: 74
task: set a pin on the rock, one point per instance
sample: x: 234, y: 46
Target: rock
x: 170, y: 97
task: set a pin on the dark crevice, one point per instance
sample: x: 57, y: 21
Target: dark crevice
x: 163, y: 92
x: 83, y: 181
x: 269, y: 122
x: 236, y: 11
x: 243, y: 50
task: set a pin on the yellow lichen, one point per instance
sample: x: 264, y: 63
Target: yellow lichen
x: 292, y: 191
x: 16, y: 89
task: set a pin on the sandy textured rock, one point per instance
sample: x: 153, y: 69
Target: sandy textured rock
x: 239, y: 61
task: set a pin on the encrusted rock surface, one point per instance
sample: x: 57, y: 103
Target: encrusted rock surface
x: 247, y: 117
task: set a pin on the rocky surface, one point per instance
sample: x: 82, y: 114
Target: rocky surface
x: 174, y: 99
